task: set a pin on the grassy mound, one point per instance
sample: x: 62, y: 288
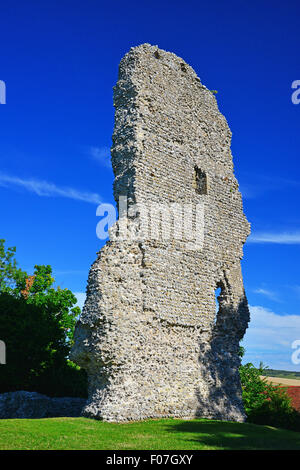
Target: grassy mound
x: 164, y: 434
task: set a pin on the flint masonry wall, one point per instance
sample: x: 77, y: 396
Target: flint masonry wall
x: 149, y: 336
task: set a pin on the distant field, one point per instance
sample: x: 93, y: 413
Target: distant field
x: 282, y: 381
x: 285, y: 374
x: 164, y: 434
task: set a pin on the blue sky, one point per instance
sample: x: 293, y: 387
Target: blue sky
x: 59, y: 61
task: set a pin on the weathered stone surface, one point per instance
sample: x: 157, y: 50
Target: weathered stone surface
x: 149, y: 336
x: 22, y: 404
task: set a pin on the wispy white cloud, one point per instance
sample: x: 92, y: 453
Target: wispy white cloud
x: 295, y: 289
x: 101, y: 155
x: 46, y: 189
x: 253, y: 185
x: 285, y: 238
x: 267, y: 293
x: 251, y: 191
x: 269, y: 338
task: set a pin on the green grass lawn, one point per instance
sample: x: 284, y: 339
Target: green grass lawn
x: 164, y: 434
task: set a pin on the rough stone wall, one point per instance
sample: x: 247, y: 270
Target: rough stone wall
x: 149, y: 336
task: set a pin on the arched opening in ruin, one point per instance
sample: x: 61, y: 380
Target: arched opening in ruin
x: 219, y: 296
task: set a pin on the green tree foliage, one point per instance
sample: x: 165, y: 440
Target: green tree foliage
x: 10, y: 274
x: 266, y: 403
x: 37, y: 322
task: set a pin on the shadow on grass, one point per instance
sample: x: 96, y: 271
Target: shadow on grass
x: 229, y: 435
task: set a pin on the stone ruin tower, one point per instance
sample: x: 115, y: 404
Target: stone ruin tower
x: 150, y: 336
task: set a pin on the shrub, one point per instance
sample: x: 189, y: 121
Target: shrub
x: 37, y: 322
x: 266, y: 403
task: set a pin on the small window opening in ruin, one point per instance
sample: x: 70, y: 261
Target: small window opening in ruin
x: 219, y: 299
x: 200, y: 181
x: 217, y: 295
x: 183, y: 67
x: 156, y: 55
